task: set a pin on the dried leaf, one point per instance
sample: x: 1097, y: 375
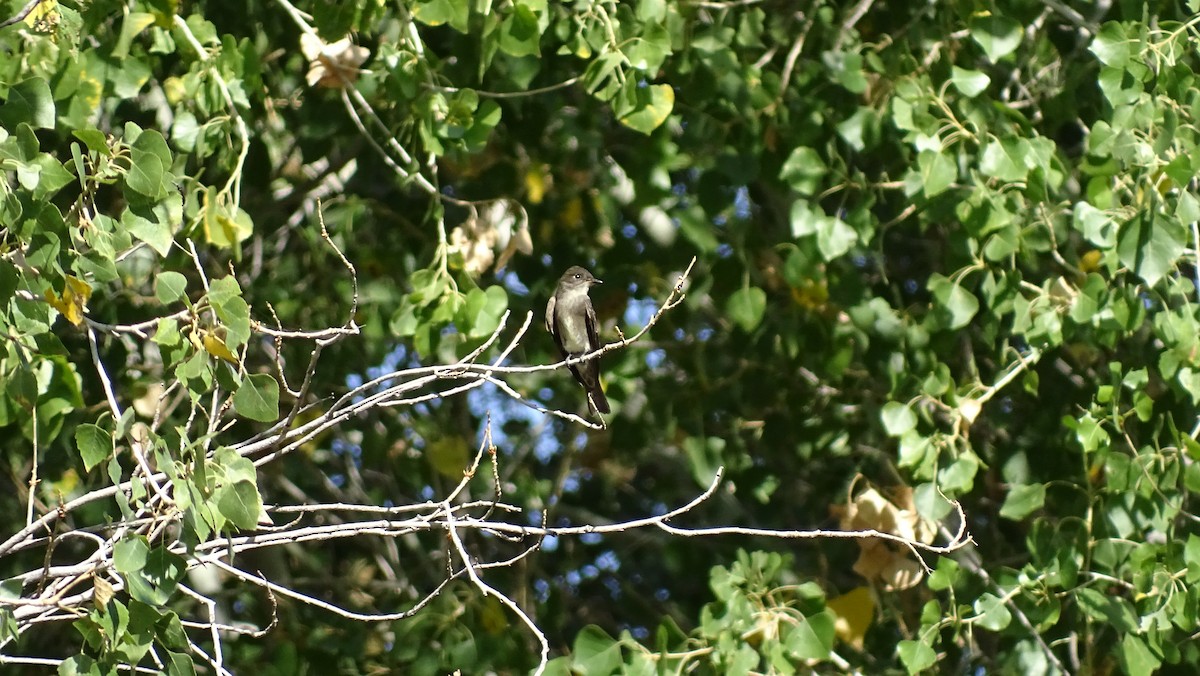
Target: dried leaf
x: 334, y: 65
x: 102, y: 592
x: 885, y: 563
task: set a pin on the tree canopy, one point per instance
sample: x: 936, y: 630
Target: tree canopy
x: 900, y: 318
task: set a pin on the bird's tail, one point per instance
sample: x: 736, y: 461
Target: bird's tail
x: 596, y: 396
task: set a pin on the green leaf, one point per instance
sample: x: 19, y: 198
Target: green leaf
x: 240, y: 503
x: 404, y: 321
x: 803, y: 171
x: 8, y: 623
x: 167, y: 333
x: 1112, y: 610
x: 128, y: 80
x: 1004, y: 160
x: 1023, y: 501
x: 930, y: 501
x: 1096, y: 225
x: 147, y: 174
x: 129, y: 553
x: 222, y: 289
x: 8, y: 281
x: 164, y: 569
x: 28, y: 101
x: 79, y: 665
x: 234, y: 314
x: 134, y: 24
x: 959, y: 476
x: 95, y: 444
x: 991, y: 612
x: 483, y: 310
x: 999, y: 36
x: 226, y: 229
x: 1136, y: 657
x: 651, y: 11
x: 845, y: 68
x: 834, y: 237
x: 1089, y: 432
x: 234, y: 466
x: 180, y: 664
x: 698, y: 231
x: 1112, y: 45
x: 897, y: 418
x: 258, y: 399
x: 970, y: 82
x: 947, y: 574
x: 169, y: 286
x: 600, y: 77
x: 1151, y: 245
x: 595, y: 652
x: 519, y: 33
x: 94, y: 139
x: 1191, y: 556
x: 51, y: 177
x: 937, y: 172
x: 705, y: 457
x: 647, y: 53
x: 156, y: 581
x: 652, y: 105
x: 149, y: 141
x: 957, y: 305
x: 812, y: 639
x: 438, y: 12
x: 805, y: 219
x: 916, y: 655
x: 746, y: 307
x: 153, y: 231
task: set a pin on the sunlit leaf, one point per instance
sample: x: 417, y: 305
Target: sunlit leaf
x: 653, y: 104
x: 95, y: 444
x: 258, y: 398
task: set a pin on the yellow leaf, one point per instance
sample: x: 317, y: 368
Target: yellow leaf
x: 175, y: 90
x: 43, y: 14
x: 73, y: 301
x: 54, y: 301
x: 1090, y: 261
x: 572, y: 213
x: 217, y: 348
x: 535, y: 184
x: 855, y: 610
x: 448, y: 456
x: 66, y: 484
x: 811, y: 295
x: 492, y: 617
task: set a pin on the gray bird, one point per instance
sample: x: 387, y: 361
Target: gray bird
x: 571, y: 320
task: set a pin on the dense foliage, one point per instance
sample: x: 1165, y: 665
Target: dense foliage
x: 945, y: 276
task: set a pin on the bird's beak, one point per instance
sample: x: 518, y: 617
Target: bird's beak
x: 597, y: 281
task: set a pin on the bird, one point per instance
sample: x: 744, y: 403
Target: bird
x: 571, y: 321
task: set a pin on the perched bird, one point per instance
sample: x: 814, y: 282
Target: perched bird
x: 571, y: 320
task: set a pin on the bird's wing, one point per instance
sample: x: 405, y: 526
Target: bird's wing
x: 552, y: 327
x: 593, y: 336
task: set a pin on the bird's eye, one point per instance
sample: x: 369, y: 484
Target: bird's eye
x: 578, y: 276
